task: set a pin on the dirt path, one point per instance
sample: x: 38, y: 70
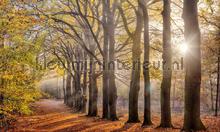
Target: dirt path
x: 54, y: 116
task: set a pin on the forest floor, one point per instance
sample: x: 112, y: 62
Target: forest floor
x: 53, y: 115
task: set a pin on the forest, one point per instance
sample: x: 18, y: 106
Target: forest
x: 110, y: 65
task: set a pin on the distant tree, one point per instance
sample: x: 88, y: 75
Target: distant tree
x: 68, y: 87
x: 218, y: 85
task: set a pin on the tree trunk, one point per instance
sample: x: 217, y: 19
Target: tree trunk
x: 78, y: 89
x: 112, y: 85
x: 93, y: 90
x: 146, y: 70
x: 218, y: 81
x: 73, y: 89
x: 64, y: 88
x: 192, y: 121
x: 68, y: 88
x: 85, y: 82
x: 105, y: 102
x: 136, y: 68
x: 212, y: 97
x: 167, y: 68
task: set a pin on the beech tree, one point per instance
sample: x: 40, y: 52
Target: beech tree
x: 105, y: 99
x: 146, y: 70
x: 136, y: 67
x: 218, y: 85
x: 192, y: 34
x: 167, y: 68
x: 111, y: 37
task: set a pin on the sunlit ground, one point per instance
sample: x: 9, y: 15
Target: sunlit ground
x: 53, y: 115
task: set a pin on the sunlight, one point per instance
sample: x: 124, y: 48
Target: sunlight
x: 109, y: 65
x: 184, y: 48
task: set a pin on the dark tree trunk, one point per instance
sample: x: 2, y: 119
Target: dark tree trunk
x: 73, y: 89
x: 146, y: 70
x: 85, y: 82
x: 68, y: 88
x: 192, y: 121
x: 1, y: 99
x: 218, y: 81
x: 78, y: 73
x: 167, y: 68
x: 64, y: 88
x: 105, y: 102
x: 90, y: 109
x: 211, y: 93
x: 136, y: 68
x: 112, y: 85
x: 93, y: 90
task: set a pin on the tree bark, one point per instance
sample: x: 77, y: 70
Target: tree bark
x: 218, y: 81
x: 68, y: 88
x: 78, y: 92
x: 136, y: 68
x: 192, y: 121
x: 167, y: 68
x: 105, y: 102
x: 146, y: 70
x: 64, y: 88
x: 73, y: 88
x: 112, y: 85
x: 93, y: 90
x: 211, y: 93
x: 85, y: 82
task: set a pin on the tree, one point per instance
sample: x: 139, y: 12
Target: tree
x: 146, y: 70
x: 167, y: 68
x: 218, y: 85
x: 135, y: 75
x: 85, y: 72
x: 93, y: 90
x: 112, y: 85
x: 105, y: 94
x: 78, y: 73
x: 192, y: 34
x: 89, y: 43
x: 18, y: 74
x: 68, y: 87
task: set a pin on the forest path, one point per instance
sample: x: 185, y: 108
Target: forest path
x: 53, y: 116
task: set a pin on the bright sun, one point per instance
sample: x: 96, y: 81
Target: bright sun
x: 183, y: 48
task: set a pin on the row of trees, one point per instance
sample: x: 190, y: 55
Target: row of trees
x: 88, y: 30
